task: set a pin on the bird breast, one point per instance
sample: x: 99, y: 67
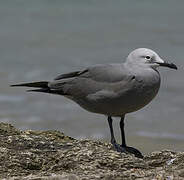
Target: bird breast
x: 144, y: 89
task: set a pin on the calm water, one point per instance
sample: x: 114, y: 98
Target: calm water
x: 40, y: 39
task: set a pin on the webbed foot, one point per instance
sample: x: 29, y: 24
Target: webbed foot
x: 132, y: 150
x: 127, y: 150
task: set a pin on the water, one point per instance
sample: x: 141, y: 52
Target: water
x: 40, y: 39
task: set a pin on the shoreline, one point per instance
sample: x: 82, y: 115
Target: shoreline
x: 52, y: 155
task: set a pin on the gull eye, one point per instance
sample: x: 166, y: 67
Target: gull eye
x: 147, y: 57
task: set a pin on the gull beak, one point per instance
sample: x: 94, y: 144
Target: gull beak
x: 167, y: 64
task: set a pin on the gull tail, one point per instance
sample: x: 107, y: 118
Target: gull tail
x: 41, y: 86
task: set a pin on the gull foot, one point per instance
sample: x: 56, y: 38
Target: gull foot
x: 118, y: 147
x: 132, y: 150
x: 127, y: 150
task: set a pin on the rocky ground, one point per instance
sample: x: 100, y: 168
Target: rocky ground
x: 50, y: 155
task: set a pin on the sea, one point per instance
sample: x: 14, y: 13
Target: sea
x: 41, y: 39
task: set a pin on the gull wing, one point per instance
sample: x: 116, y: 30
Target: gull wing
x: 111, y: 77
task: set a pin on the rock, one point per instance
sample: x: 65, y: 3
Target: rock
x: 50, y: 155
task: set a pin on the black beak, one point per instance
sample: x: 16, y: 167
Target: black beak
x: 166, y: 64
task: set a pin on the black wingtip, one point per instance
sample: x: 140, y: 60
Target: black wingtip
x: 14, y: 85
x: 39, y: 84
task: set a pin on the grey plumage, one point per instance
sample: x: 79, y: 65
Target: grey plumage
x: 111, y: 89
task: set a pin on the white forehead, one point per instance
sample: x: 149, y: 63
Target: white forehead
x: 142, y: 52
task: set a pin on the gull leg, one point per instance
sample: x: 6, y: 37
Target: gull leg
x: 126, y: 148
x: 113, y: 140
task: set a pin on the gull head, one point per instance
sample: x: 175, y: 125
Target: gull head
x: 144, y: 57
